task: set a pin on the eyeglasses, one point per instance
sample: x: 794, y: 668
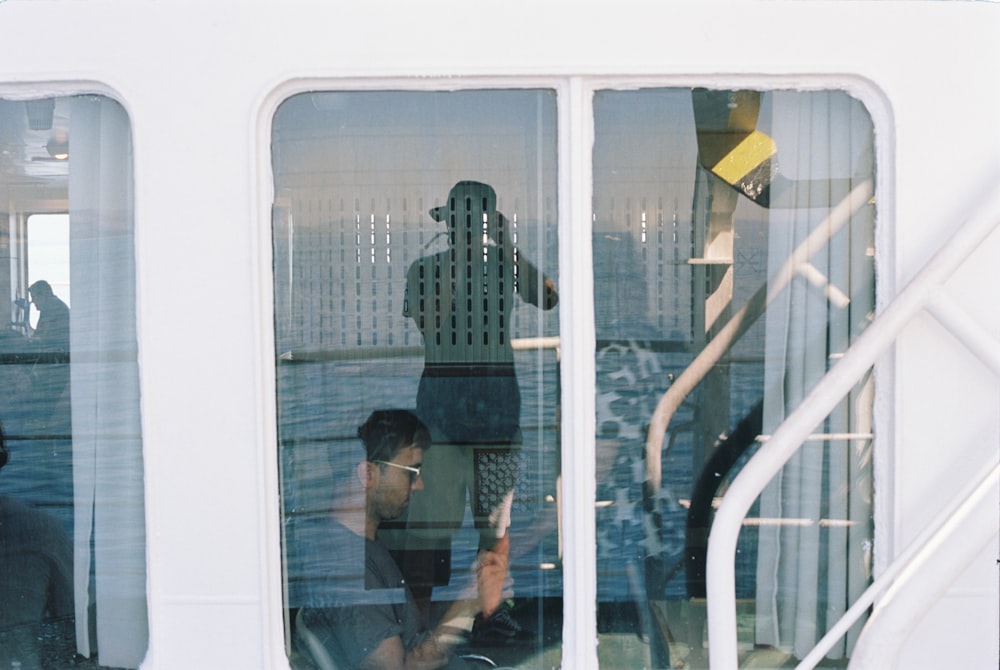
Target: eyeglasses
x: 413, y: 471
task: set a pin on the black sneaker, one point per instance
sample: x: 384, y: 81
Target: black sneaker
x: 500, y: 629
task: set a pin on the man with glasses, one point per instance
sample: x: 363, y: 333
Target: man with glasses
x: 347, y: 622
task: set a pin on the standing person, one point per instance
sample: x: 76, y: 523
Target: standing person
x: 461, y: 300
x: 374, y: 623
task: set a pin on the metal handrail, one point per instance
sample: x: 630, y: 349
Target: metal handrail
x: 987, y: 349
x: 772, y: 456
x: 739, y: 323
x: 723, y: 341
x: 900, y: 572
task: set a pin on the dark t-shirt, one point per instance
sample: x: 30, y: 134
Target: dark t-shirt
x: 348, y: 619
x: 52, y: 331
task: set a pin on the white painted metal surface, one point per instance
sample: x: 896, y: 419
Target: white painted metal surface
x: 200, y: 81
x: 969, y: 522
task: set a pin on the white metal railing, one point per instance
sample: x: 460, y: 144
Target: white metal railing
x: 874, y: 648
x: 924, y: 292
x: 740, y: 322
x: 859, y: 197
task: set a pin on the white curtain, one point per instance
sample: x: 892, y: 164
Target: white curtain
x: 813, y: 563
x: 109, y: 533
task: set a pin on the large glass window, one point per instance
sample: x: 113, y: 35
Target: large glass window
x: 415, y: 270
x: 72, y: 535
x: 733, y: 265
x: 416, y: 291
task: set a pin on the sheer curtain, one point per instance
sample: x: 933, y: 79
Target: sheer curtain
x: 815, y: 537
x: 109, y: 533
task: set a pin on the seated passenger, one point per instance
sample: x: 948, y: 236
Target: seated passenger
x: 36, y: 581
x: 50, y: 344
x: 52, y: 330
x: 348, y: 620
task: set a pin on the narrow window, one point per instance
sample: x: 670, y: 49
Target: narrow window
x: 418, y: 426
x: 733, y: 266
x: 72, y: 537
x: 48, y: 250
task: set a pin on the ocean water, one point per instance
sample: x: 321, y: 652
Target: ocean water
x: 323, y: 402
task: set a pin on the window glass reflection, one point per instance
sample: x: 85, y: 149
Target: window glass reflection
x: 415, y: 276
x: 72, y: 535
x: 733, y: 265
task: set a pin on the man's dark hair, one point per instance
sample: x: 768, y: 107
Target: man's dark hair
x: 40, y: 287
x: 389, y: 431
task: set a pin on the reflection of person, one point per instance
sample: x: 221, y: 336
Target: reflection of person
x: 51, y: 334
x: 50, y: 342
x: 378, y: 626
x: 461, y: 300
x: 36, y: 583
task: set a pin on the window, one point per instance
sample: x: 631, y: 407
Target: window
x: 72, y: 541
x: 415, y: 268
x: 415, y: 248
x: 743, y: 220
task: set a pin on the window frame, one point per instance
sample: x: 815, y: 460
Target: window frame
x: 52, y: 198
x: 575, y: 141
